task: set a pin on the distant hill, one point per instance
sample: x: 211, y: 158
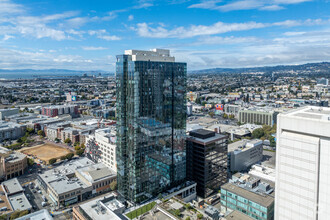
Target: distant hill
x: 308, y: 68
x: 56, y: 71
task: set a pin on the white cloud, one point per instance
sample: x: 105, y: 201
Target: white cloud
x: 130, y: 17
x: 19, y: 59
x: 7, y: 37
x: 93, y: 48
x: 217, y: 40
x: 102, y: 34
x: 8, y: 7
x: 270, y: 5
x: 290, y: 48
x: 146, y: 30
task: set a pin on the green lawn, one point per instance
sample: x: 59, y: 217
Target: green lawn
x: 141, y: 210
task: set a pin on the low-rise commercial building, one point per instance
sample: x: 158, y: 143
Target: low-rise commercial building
x: 8, y: 112
x: 249, y: 196
x: 230, y: 109
x: 12, y: 164
x: 107, y: 207
x: 243, y: 154
x: 207, y: 160
x: 75, y: 181
x: 15, y: 197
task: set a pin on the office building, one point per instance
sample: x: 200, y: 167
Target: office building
x: 257, y: 116
x: 8, y: 112
x: 302, y: 164
x: 151, y: 123
x: 207, y: 160
x: 12, y: 164
x: 249, y: 196
x: 243, y: 154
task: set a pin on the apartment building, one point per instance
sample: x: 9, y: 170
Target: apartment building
x: 11, y: 131
x: 56, y: 110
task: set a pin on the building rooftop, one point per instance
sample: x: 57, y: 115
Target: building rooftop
x: 311, y: 112
x: 262, y: 199
x: 157, y: 55
x: 42, y: 214
x: 99, y: 209
x: 5, y: 125
x: 96, y: 172
x: 206, y: 138
x: 237, y: 215
x: 243, y: 145
x: 12, y: 186
x: 19, y: 202
x: 4, y: 202
x: 63, y: 185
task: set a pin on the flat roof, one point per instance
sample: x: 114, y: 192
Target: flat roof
x: 41, y: 214
x: 96, y: 172
x: 64, y: 185
x: 91, y: 209
x: 310, y: 112
x: 5, y: 202
x: 242, y: 145
x: 264, y: 199
x: 19, y: 202
x: 237, y: 215
x: 12, y: 186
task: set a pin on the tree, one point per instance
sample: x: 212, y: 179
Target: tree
x: 258, y: 133
x: 77, y: 147
x: 188, y: 218
x: 69, y: 156
x: 30, y: 161
x: 200, y: 216
x: 76, y: 144
x: 177, y: 212
x: 82, y: 146
x: 211, y: 114
x: 113, y: 185
x: 67, y: 141
x: 41, y: 133
x: 225, y: 115
x: 52, y: 161
x: 22, y: 213
x: 63, y: 158
x: 80, y: 151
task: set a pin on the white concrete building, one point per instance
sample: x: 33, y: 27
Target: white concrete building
x: 243, y: 154
x: 105, y: 140
x: 302, y: 165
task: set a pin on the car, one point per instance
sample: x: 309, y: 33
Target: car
x: 39, y: 192
x: 43, y: 204
x: 34, y: 191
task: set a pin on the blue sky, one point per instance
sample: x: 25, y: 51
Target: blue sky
x: 87, y: 35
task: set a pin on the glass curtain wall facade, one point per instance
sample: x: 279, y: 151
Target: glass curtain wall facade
x: 151, y: 126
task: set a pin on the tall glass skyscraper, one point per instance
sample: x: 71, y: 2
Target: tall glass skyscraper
x: 151, y: 123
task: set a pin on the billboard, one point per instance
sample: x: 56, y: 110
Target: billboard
x: 219, y: 107
x: 73, y: 98
x: 208, y: 105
